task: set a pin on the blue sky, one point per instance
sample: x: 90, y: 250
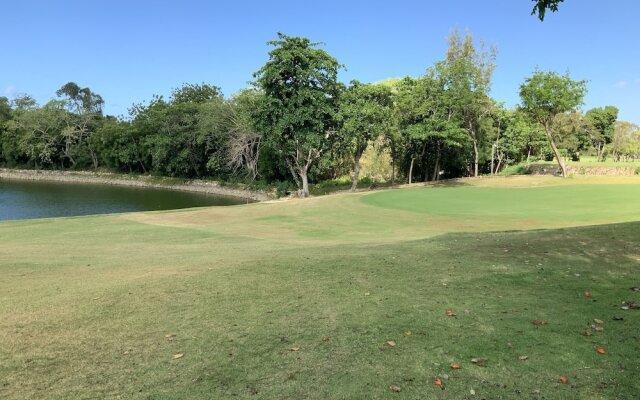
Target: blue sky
x: 129, y: 50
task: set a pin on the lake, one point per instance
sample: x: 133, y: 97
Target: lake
x: 28, y: 199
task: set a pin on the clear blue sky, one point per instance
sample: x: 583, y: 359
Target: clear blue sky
x: 129, y: 50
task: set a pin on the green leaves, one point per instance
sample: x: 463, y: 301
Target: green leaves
x: 301, y: 89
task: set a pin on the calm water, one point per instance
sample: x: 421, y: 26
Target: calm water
x: 23, y: 200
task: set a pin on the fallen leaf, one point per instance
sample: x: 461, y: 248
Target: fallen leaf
x: 407, y: 333
x: 588, y: 294
x: 170, y: 335
x: 326, y: 338
x: 598, y: 321
x: 395, y: 388
x: 538, y: 322
x: 178, y: 355
x: 587, y: 333
x: 437, y: 382
x: 523, y: 358
x: 472, y: 392
x: 599, y: 329
x: 294, y: 349
x: 479, y: 361
x: 450, y: 313
x: 367, y: 294
x: 564, y: 379
x: 455, y: 366
x: 391, y: 343
x: 600, y: 350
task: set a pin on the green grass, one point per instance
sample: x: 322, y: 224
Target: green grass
x: 86, y: 303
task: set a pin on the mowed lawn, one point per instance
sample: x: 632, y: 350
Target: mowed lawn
x: 334, y: 297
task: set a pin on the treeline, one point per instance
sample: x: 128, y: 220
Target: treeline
x: 299, y: 124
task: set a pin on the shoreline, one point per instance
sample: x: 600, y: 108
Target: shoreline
x: 141, y: 181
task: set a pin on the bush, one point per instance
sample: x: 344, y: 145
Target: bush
x: 517, y: 169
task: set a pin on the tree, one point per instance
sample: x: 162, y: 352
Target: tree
x: 425, y: 117
x: 572, y: 134
x: 195, y: 93
x: 38, y: 132
x: 299, y: 82
x: 544, y: 95
x: 603, y: 121
x: 84, y: 112
x: 364, y: 114
x: 542, y: 6
x: 243, y: 136
x: 626, y: 142
x: 466, y: 74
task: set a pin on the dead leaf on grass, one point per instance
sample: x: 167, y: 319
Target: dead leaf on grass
x: 479, y: 361
x: 294, y: 349
x: 326, y: 338
x: 395, y: 388
x: 523, y: 358
x: 390, y: 343
x: 178, y: 355
x: 564, y: 379
x: 455, y: 366
x: 600, y: 350
x: 407, y: 333
x: 437, y: 382
x: 588, y: 294
x: 539, y: 322
x: 587, y: 333
x: 450, y: 313
x: 598, y: 321
x: 599, y: 329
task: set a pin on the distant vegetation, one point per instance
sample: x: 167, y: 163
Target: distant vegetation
x: 298, y: 124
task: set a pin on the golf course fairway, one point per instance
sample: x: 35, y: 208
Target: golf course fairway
x: 517, y: 281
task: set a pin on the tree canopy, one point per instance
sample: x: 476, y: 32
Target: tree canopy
x: 546, y: 95
x: 301, y: 91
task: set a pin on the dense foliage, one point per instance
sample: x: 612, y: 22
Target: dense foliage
x: 299, y: 124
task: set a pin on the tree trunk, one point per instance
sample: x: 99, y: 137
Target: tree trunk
x: 305, y: 182
x: 293, y: 173
x: 475, y: 159
x: 94, y: 157
x: 436, y: 168
x: 356, y: 172
x: 411, y: 169
x: 493, y: 150
x: 556, y: 152
x: 393, y: 171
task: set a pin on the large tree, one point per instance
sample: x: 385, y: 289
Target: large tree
x: 84, y: 114
x: 300, y: 85
x: 466, y: 74
x: 364, y: 115
x: 603, y: 122
x: 545, y: 95
x: 425, y: 118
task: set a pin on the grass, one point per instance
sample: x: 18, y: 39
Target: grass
x: 87, y: 303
